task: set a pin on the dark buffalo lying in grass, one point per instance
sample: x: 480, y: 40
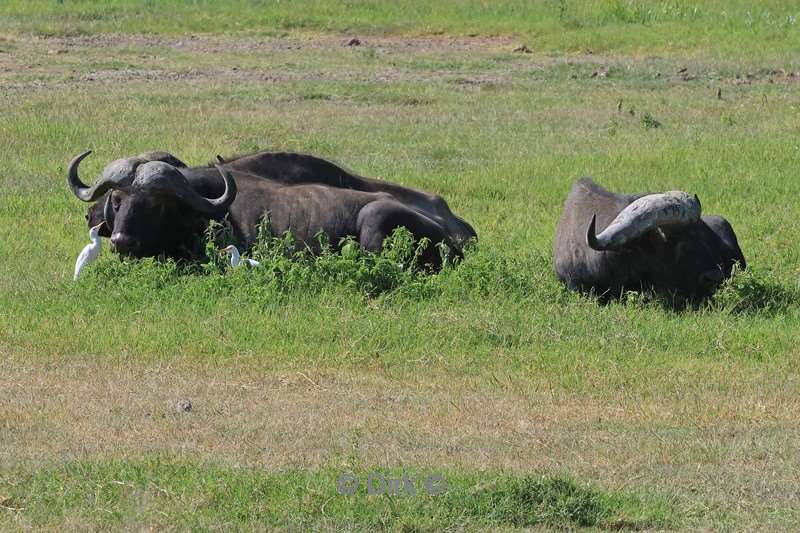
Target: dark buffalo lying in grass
x: 153, y: 204
x: 656, y: 241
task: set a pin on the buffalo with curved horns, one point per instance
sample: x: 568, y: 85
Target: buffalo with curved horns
x: 654, y: 241
x: 153, y: 204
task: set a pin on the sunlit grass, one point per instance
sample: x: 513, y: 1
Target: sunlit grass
x: 181, y: 494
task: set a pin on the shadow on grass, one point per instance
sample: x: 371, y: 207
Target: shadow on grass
x: 746, y: 292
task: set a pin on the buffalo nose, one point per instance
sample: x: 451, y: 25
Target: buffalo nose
x: 122, y: 242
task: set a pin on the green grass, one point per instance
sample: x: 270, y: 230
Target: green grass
x: 170, y: 493
x: 501, y: 135
x: 731, y: 28
x: 503, y: 153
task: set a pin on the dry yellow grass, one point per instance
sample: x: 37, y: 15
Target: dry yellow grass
x: 718, y: 448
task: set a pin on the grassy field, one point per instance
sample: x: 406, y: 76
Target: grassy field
x: 731, y: 28
x: 542, y: 409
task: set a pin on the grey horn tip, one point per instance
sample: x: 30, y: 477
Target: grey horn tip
x: 81, y: 156
x: 219, y: 158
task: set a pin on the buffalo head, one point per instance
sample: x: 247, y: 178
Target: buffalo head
x: 654, y: 241
x: 94, y: 213
x: 148, y: 205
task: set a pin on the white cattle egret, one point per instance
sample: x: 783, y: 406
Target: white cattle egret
x: 237, y: 259
x: 90, y: 252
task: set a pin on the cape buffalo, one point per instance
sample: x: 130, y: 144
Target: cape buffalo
x: 656, y: 241
x: 153, y: 204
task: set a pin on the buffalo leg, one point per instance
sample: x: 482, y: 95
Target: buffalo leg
x: 377, y: 220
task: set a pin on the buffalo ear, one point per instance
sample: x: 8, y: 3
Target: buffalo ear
x: 655, y: 239
x: 108, y: 215
x: 94, y: 216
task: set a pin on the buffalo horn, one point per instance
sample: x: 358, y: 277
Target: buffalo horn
x: 674, y: 208
x: 163, y: 175
x: 117, y: 174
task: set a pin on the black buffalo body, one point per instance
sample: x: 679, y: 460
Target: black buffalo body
x: 153, y: 204
x: 689, y: 257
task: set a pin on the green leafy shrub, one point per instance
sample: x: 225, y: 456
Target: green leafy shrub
x: 751, y: 291
x: 285, y: 266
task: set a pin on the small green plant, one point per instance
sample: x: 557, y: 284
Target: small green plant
x: 749, y: 291
x: 649, y: 122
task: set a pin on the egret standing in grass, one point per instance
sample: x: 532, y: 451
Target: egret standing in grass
x: 236, y: 258
x: 90, y: 252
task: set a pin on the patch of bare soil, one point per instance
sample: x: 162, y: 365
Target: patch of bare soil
x: 769, y: 76
x: 38, y: 55
x: 214, y: 44
x: 118, y: 76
